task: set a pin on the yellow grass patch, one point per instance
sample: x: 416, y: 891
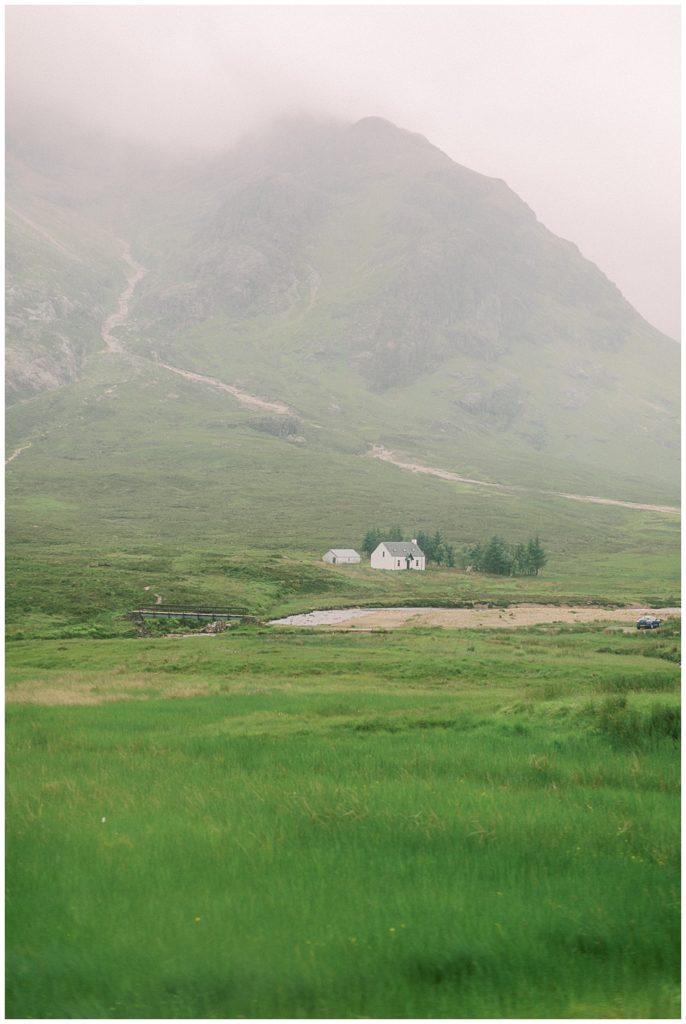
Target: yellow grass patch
x: 77, y: 689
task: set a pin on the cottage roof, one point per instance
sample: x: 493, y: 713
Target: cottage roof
x: 343, y: 552
x: 402, y: 548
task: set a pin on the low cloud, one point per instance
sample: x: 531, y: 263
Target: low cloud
x: 577, y: 108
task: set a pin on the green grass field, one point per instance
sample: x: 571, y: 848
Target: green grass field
x: 71, y: 591
x: 269, y: 823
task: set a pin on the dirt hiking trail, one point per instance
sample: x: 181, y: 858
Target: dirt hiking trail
x: 135, y: 273
x: 379, y: 452
x: 17, y: 452
x: 242, y: 396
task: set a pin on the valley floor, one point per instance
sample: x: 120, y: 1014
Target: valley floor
x: 421, y: 823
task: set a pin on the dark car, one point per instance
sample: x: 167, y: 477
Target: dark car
x: 648, y: 622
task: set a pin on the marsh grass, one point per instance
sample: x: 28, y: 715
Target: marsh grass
x: 338, y: 825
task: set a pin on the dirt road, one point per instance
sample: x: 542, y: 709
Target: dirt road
x: 379, y: 452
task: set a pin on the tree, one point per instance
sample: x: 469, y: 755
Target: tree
x: 372, y: 539
x: 501, y: 559
x: 374, y: 536
x: 426, y: 544
x: 474, y: 557
x: 520, y: 560
x: 496, y: 558
x: 437, y: 547
x: 536, y: 556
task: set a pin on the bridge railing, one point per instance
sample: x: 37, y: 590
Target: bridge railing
x: 161, y: 611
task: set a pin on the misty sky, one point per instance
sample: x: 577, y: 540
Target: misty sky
x: 576, y: 107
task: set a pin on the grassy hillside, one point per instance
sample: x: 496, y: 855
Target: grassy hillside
x: 360, y: 275
x: 418, y: 824
x: 146, y: 480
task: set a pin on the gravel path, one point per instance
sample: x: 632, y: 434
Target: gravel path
x: 238, y: 393
x: 379, y: 452
x: 135, y: 273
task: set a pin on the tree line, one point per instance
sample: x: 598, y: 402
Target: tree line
x: 496, y: 556
x: 499, y: 558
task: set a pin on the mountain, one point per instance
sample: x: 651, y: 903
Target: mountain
x: 180, y: 330
x: 408, y: 257
x: 356, y: 251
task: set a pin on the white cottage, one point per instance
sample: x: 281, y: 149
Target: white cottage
x: 341, y: 556
x: 398, y: 554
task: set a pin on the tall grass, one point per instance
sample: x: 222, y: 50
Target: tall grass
x: 406, y: 825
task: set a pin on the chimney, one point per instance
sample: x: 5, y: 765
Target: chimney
x: 414, y: 540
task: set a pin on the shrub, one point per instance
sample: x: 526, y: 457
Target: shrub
x: 626, y: 726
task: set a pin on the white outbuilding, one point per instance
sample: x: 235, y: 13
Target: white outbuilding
x: 398, y: 554
x: 341, y: 556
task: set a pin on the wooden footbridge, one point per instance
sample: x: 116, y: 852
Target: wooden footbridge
x: 183, y: 612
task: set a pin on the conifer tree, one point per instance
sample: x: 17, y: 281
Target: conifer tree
x: 536, y: 556
x: 497, y: 559
x: 372, y: 539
